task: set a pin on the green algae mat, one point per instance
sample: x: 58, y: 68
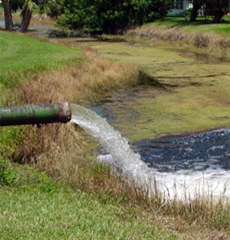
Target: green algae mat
x: 192, y: 94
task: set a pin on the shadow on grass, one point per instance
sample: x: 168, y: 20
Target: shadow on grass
x: 182, y: 21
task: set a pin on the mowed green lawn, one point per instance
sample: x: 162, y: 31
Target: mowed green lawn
x: 38, y: 215
x: 201, y: 25
x: 21, y: 55
x: 38, y: 208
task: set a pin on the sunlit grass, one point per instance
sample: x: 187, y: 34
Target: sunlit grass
x: 38, y: 207
x: 200, y: 25
x: 201, y: 33
x: 38, y: 214
x: 21, y: 56
x: 222, y: 29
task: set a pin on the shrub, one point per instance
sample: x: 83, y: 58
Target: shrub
x: 106, y: 16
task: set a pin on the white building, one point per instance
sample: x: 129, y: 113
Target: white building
x: 179, y: 6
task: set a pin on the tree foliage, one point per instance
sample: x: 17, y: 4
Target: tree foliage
x: 110, y: 16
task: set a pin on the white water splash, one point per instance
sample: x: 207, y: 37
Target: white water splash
x: 122, y: 155
x: 179, y: 185
x: 186, y: 186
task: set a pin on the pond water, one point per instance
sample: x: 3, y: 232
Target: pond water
x: 179, y: 183
x: 2, y: 23
x: 185, y: 90
x: 173, y: 152
x: 196, y: 163
x: 194, y: 152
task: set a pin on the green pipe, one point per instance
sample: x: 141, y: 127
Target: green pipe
x: 35, y: 114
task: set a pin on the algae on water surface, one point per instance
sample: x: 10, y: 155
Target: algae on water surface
x: 194, y: 94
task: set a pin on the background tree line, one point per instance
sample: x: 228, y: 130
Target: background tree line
x: 111, y: 16
x: 104, y: 16
x: 215, y: 8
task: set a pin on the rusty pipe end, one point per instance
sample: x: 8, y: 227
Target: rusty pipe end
x: 65, y: 114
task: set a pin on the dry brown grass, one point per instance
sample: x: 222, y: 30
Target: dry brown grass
x: 176, y: 36
x: 62, y: 150
x: 79, y: 84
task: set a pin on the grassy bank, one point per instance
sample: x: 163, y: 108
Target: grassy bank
x: 71, y: 196
x: 200, y: 25
x: 58, y: 150
x: 23, y: 57
x: 178, y: 30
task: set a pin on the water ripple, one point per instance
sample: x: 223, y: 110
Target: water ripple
x: 197, y: 152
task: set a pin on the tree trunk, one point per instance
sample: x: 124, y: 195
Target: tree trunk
x: 218, y: 16
x: 26, y: 17
x: 7, y: 15
x: 196, y: 6
x: 218, y: 11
